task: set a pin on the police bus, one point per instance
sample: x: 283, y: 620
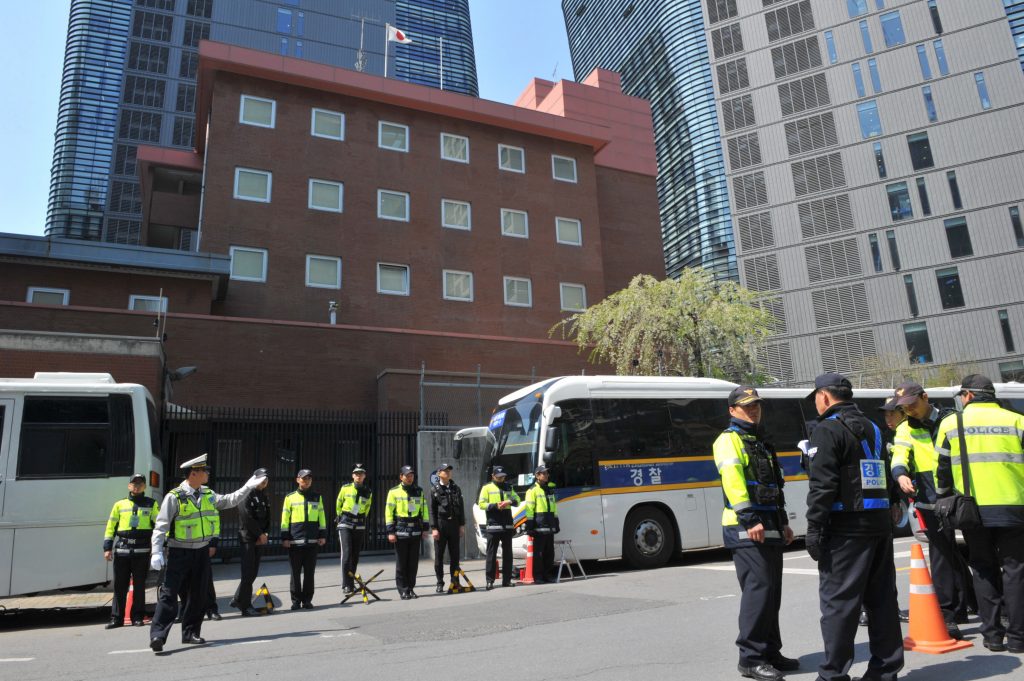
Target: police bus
x: 632, y: 457
x: 68, y: 444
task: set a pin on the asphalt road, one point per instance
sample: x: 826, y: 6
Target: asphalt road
x: 678, y: 622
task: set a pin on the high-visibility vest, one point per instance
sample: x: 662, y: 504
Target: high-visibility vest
x: 541, y: 508
x: 352, y: 508
x: 914, y: 451
x: 302, y: 519
x: 131, y: 521
x: 740, y: 483
x: 498, y: 520
x: 405, y: 512
x: 194, y: 526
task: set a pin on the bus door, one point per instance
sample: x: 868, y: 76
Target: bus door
x: 6, y: 533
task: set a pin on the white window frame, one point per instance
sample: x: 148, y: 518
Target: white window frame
x: 448, y: 158
x: 335, y: 259
x: 444, y: 286
x: 575, y: 170
x: 380, y: 134
x: 133, y: 298
x: 469, y: 215
x: 529, y: 291
x: 526, y: 221
x: 561, y: 296
x: 511, y: 170
x: 248, y: 249
x: 408, y: 279
x: 579, y: 231
x: 341, y: 195
x: 241, y: 111
x: 312, y: 124
x: 65, y: 292
x: 270, y: 184
x: 380, y: 192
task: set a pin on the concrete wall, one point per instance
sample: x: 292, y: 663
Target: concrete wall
x: 436, y: 447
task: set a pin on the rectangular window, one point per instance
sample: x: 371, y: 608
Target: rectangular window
x: 879, y: 160
x: 185, y: 102
x: 393, y: 136
x: 1018, y: 228
x: 327, y: 124
x: 899, y: 201
x: 858, y: 79
x: 189, y: 65
x: 922, y: 195
x: 979, y: 80
x: 894, y: 251
x: 879, y: 4
x: 876, y: 252
x: 194, y: 32
x: 568, y: 231
x: 284, y: 47
x: 950, y: 292
x: 147, y: 303
x: 300, y: 25
x: 1011, y: 371
x: 326, y: 195
x: 940, y: 57
x: 456, y: 214
x: 323, y: 271
x: 257, y: 111
x: 865, y: 35
x: 920, y: 151
x: 1004, y: 325
x: 457, y: 286
x: 152, y: 26
x: 518, y: 292
x: 922, y: 58
x: 253, y: 185
x: 870, y: 123
x: 959, y: 238
x: 933, y: 9
x: 392, y: 280
x: 284, y: 21
x: 954, y: 189
x: 515, y: 223
x: 298, y: 48
x: 248, y: 264
x: 929, y: 104
x: 573, y: 297
x: 512, y: 159
x: 916, y: 337
x: 454, y: 148
x: 908, y: 285
x: 392, y: 205
x: 48, y: 296
x: 856, y: 7
x: 563, y: 168
x: 892, y: 29
x: 876, y: 80
x: 830, y: 45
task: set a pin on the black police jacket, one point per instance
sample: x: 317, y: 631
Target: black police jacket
x: 254, y: 516
x: 446, y: 505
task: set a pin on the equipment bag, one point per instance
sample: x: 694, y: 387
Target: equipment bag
x: 960, y: 511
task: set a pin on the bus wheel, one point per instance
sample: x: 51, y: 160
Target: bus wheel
x: 648, y: 540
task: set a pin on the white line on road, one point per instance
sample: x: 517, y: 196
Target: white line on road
x: 249, y: 643
x: 715, y: 598
x: 126, y: 652
x: 16, y: 659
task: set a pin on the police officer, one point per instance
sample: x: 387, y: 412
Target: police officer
x: 353, y: 508
x: 994, y: 440
x: 303, y: 532
x: 189, y: 518
x: 755, y: 528
x: 253, y: 533
x: 405, y: 515
x: 849, y: 533
x: 497, y: 499
x: 127, y: 543
x: 914, y: 463
x: 447, y: 524
x: 542, y: 523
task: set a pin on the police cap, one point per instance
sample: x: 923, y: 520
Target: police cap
x: 977, y: 383
x: 829, y: 380
x: 498, y: 472
x: 744, y: 395
x: 359, y: 468
x: 137, y: 477
x: 406, y: 469
x: 304, y: 473
x: 907, y: 393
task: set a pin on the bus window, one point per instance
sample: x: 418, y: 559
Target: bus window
x: 575, y: 461
x: 697, y: 423
x: 633, y: 429
x: 1016, y: 404
x: 783, y: 423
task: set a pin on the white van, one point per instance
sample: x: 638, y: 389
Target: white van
x: 69, y: 442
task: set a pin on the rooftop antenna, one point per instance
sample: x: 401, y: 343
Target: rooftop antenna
x: 361, y: 55
x: 554, y: 73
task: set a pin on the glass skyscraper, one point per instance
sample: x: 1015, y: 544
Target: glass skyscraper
x: 1015, y: 14
x: 660, y: 50
x: 130, y: 78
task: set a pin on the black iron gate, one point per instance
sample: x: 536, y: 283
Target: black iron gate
x: 240, y: 440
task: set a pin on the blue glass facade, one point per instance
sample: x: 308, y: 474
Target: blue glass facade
x: 659, y: 48
x: 427, y: 22
x: 1015, y: 14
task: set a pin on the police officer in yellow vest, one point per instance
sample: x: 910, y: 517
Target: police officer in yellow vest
x: 127, y: 543
x: 497, y: 498
x: 755, y: 528
x: 407, y: 520
x: 542, y: 523
x: 303, y: 532
x: 188, y: 520
x: 994, y: 440
x: 353, y: 508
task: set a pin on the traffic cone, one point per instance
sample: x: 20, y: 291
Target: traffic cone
x: 526, y: 576
x: 128, y: 603
x: 927, y: 628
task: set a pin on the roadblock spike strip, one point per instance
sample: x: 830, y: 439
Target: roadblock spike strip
x: 462, y: 588
x: 268, y: 606
x: 526, y: 576
x: 927, y: 628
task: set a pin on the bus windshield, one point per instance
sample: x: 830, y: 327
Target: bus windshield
x: 516, y: 430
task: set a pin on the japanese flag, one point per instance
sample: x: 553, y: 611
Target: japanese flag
x: 397, y: 36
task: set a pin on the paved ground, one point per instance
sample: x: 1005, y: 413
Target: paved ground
x: 619, y: 625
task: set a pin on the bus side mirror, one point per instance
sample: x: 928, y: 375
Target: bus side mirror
x: 458, y: 450
x: 550, y: 442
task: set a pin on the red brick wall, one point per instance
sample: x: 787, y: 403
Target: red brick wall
x: 24, y: 364
x: 629, y: 206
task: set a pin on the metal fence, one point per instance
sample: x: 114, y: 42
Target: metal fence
x: 466, y: 399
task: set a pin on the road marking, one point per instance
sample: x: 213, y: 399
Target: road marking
x: 730, y: 568
x: 126, y: 652
x: 715, y: 598
x: 249, y: 643
x: 16, y: 659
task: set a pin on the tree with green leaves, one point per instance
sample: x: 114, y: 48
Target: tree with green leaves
x: 691, y: 326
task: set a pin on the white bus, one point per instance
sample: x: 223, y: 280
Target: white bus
x: 68, y: 445
x: 632, y: 460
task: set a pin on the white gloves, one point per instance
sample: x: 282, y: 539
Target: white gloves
x: 803, y: 445
x: 156, y: 561
x: 254, y: 481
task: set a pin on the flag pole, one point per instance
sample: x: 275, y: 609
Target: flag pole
x: 440, y: 44
x: 387, y: 28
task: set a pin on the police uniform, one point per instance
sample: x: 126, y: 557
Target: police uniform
x: 254, y: 523
x: 499, y: 526
x: 849, y: 533
x: 304, y: 524
x: 128, y: 536
x: 447, y: 518
x: 353, y: 508
x: 994, y: 439
x: 406, y: 517
x: 188, y: 520
x: 752, y: 483
x: 542, y: 525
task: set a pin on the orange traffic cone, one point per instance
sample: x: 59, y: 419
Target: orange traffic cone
x: 927, y: 628
x: 128, y: 603
x: 527, y: 575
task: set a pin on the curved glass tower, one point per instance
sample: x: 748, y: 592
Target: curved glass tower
x: 659, y: 48
x: 427, y: 22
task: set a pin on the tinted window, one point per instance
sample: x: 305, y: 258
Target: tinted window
x: 577, y: 449
x: 783, y: 423
x: 697, y: 423
x: 68, y: 437
x: 634, y: 429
